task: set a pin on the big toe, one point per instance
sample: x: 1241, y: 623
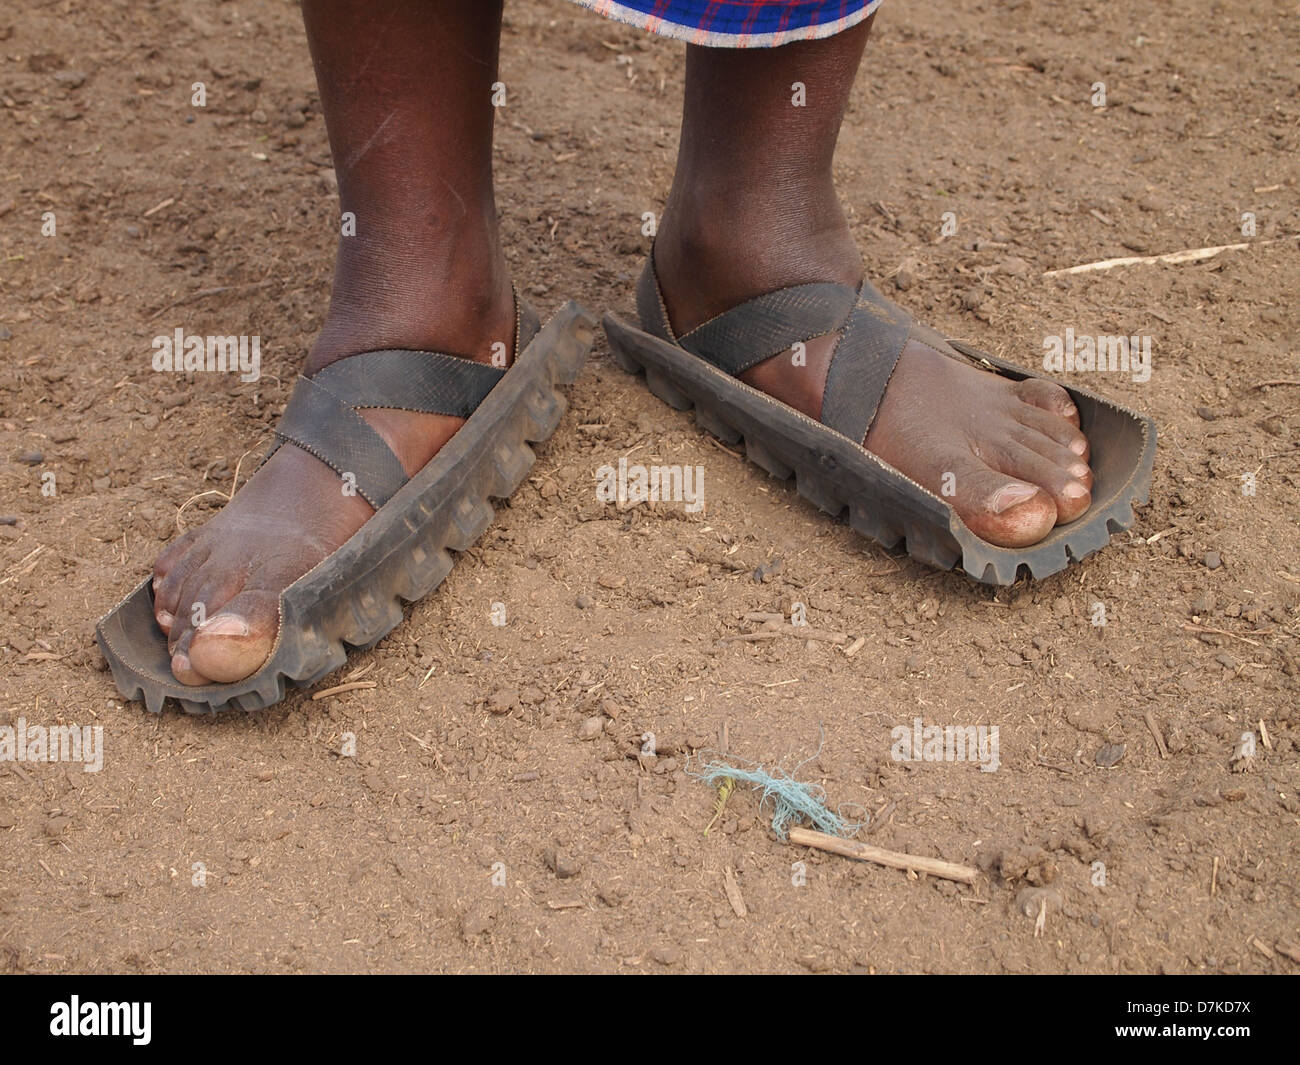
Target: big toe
x: 1003, y: 510
x: 234, y: 642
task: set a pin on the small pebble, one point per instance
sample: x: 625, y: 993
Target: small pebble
x: 584, y: 602
x: 31, y: 458
x: 502, y: 702
x: 1213, y: 560
x: 1109, y: 755
x: 667, y: 955
x: 563, y: 864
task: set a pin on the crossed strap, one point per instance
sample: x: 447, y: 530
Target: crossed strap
x: 322, y: 416
x: 872, y: 332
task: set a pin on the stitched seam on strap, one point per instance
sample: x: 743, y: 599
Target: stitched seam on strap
x: 366, y: 428
x: 285, y: 437
x: 659, y: 295
x: 718, y: 317
x: 777, y: 354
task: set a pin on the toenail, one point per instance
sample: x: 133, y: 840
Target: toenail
x: 181, y: 663
x: 1079, y: 446
x: 1012, y: 495
x: 1079, y: 470
x: 165, y: 620
x: 1074, y: 490
x: 224, y: 625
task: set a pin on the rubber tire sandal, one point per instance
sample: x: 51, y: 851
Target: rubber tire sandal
x: 832, y: 468
x: 353, y: 597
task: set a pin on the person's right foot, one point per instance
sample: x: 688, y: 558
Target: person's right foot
x: 217, y: 589
x: 406, y: 91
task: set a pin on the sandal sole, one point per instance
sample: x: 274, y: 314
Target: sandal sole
x: 835, y: 475
x: 354, y: 597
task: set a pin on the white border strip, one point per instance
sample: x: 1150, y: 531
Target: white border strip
x: 714, y: 39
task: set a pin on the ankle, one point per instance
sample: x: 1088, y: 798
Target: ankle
x: 737, y: 248
x: 457, y: 307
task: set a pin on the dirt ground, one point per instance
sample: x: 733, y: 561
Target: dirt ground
x: 498, y: 814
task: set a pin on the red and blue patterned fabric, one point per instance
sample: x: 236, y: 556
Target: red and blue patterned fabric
x: 737, y: 23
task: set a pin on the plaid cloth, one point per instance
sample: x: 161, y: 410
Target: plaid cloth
x: 737, y: 23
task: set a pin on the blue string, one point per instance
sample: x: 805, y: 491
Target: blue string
x: 792, y: 801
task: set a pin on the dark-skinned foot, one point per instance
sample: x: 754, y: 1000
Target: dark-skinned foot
x: 420, y: 267
x: 1007, y: 455
x: 217, y: 589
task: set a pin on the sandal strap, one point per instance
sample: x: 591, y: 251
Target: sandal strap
x: 770, y: 324
x: 755, y: 330
x: 869, y: 347
x: 321, y: 415
x: 872, y: 332
x: 428, y: 382
x: 320, y: 423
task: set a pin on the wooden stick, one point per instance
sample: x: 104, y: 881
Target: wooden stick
x: 849, y: 848
x: 732, y: 889
x: 205, y: 292
x: 1187, y: 255
x: 1155, y: 731
x: 339, y: 689
x: 1289, y: 949
x: 799, y: 632
x: 1224, y: 632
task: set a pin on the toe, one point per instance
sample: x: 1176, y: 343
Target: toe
x: 231, y: 644
x: 1069, y: 495
x: 1048, y: 396
x: 1054, y: 452
x: 193, y: 604
x: 173, y: 553
x: 182, y: 669
x: 1062, y: 430
x: 167, y: 588
x: 1001, y: 509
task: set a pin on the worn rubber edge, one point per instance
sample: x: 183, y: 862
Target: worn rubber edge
x: 834, y: 473
x: 353, y: 597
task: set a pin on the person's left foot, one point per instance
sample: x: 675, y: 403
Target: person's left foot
x: 1017, y: 460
